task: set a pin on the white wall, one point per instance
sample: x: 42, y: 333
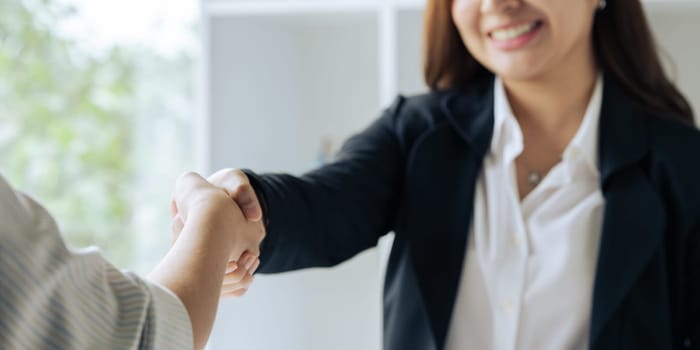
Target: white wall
x: 677, y: 30
x: 277, y: 86
x: 289, y: 79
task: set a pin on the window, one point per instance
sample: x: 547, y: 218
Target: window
x: 97, y: 103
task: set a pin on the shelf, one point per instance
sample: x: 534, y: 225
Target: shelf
x: 260, y: 7
x: 408, y: 4
x: 267, y: 7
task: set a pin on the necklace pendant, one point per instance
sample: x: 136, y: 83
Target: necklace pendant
x: 534, y: 178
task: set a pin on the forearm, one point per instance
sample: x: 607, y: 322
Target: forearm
x: 321, y: 219
x: 193, y: 269
x: 332, y: 213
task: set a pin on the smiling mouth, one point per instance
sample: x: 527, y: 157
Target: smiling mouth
x: 515, y: 32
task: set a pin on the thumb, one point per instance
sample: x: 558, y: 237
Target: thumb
x: 236, y: 183
x: 247, y: 200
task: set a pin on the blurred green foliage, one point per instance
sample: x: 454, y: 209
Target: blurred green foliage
x: 65, y: 126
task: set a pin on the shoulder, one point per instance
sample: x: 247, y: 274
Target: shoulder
x: 410, y: 117
x: 24, y: 219
x: 674, y: 143
x: 674, y: 160
x: 15, y: 208
x: 425, y: 109
x: 415, y: 115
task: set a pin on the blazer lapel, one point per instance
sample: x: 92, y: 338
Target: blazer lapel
x: 634, y: 216
x: 452, y: 164
x: 634, y: 212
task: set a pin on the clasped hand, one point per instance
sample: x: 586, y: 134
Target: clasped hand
x: 247, y: 229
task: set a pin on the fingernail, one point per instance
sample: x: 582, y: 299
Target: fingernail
x: 251, y: 212
x: 231, y: 267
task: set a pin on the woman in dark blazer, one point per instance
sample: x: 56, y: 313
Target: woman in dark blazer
x: 517, y: 87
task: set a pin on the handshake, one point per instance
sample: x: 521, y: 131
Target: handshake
x: 224, y: 205
x: 217, y: 230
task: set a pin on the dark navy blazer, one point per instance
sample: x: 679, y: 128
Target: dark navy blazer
x: 414, y: 172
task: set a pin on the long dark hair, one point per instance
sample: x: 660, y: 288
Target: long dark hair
x: 624, y: 47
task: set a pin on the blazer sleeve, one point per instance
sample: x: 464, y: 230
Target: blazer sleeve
x: 332, y: 213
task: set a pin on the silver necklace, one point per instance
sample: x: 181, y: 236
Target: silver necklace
x: 534, y: 177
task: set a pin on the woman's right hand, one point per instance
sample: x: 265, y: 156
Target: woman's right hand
x: 240, y: 270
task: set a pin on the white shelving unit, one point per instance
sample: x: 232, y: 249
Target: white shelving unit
x: 281, y: 76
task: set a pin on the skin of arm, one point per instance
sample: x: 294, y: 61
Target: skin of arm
x: 214, y: 230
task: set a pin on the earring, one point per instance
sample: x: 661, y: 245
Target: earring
x: 602, y: 5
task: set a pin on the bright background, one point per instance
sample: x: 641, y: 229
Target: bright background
x: 96, y: 109
x: 104, y: 103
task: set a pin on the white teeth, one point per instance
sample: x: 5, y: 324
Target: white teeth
x: 513, y: 32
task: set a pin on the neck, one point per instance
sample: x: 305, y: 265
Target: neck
x: 556, y: 99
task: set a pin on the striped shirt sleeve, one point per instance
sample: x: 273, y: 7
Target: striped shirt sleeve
x: 55, y: 298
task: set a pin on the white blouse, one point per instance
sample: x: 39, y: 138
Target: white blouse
x: 527, y: 282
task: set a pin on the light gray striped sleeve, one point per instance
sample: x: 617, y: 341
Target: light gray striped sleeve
x: 54, y: 298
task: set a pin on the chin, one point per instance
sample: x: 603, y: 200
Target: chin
x: 519, y: 70
x: 518, y: 75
